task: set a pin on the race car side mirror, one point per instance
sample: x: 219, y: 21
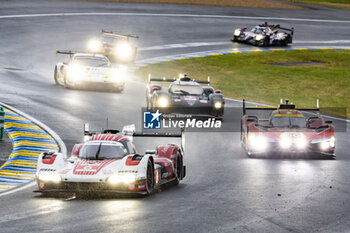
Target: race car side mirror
x: 62, y: 69
x: 252, y: 119
x: 150, y: 152
x: 218, y: 91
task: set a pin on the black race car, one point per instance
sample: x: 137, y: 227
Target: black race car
x: 185, y: 95
x: 117, y: 47
x: 264, y: 35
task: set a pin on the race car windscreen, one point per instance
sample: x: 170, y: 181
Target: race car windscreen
x: 290, y: 121
x: 186, y: 89
x: 92, y: 61
x: 257, y: 30
x: 111, y: 40
x: 103, y: 150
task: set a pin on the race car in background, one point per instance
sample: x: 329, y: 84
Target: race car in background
x: 117, y: 47
x: 264, y: 35
x: 287, y: 132
x: 107, y: 162
x: 89, y: 70
x: 185, y: 95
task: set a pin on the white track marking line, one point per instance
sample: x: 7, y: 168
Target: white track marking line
x: 184, y: 45
x: 28, y: 185
x: 57, y: 138
x: 169, y: 15
x: 200, y: 44
x: 322, y: 42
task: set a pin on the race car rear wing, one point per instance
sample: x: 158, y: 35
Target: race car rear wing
x: 129, y: 130
x: 291, y: 30
x: 277, y: 26
x: 112, y: 34
x: 69, y: 52
x: 283, y: 105
x: 185, y: 78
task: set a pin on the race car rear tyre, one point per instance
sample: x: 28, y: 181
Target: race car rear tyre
x: 242, y: 136
x: 149, y: 178
x: 266, y: 42
x: 55, y: 76
x: 148, y: 105
x: 179, y: 168
x: 119, y: 89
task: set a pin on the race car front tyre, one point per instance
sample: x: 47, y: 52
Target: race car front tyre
x: 119, y: 89
x: 55, y: 76
x: 149, y: 178
x: 264, y: 42
x: 66, y: 84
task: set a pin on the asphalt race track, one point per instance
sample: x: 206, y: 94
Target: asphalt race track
x: 224, y: 190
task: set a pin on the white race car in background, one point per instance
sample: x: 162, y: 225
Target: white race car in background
x: 89, y: 71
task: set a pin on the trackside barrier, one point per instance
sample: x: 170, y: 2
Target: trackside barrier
x: 2, y: 119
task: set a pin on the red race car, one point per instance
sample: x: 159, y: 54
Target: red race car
x: 287, y: 132
x: 107, y: 162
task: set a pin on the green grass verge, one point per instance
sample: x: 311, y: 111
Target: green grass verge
x: 343, y: 4
x: 253, y: 77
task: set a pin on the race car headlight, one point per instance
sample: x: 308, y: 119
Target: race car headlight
x: 285, y: 141
x: 75, y: 71
x: 218, y: 105
x: 86, y: 138
x: 49, y: 177
x: 118, y: 75
x: 237, y: 32
x: 325, y: 143
x: 258, y: 142
x: 301, y: 142
x: 125, y: 178
x: 95, y: 46
x: 163, y: 102
x: 259, y: 37
x: 123, y: 51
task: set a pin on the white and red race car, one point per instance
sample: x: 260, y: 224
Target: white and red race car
x: 108, y: 163
x: 88, y: 70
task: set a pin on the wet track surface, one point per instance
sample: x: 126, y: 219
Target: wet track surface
x: 224, y: 190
